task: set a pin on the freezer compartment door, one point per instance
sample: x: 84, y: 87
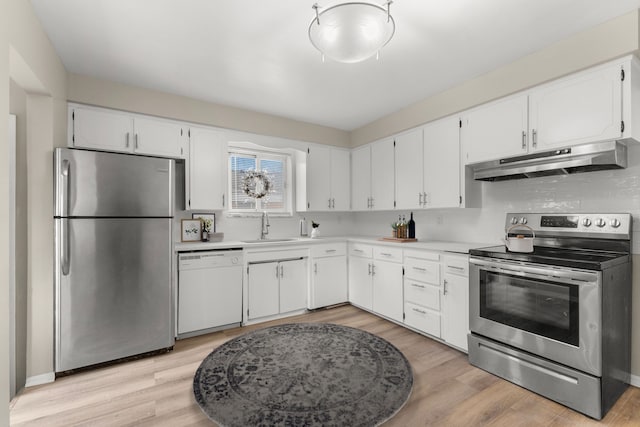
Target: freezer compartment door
x: 97, y: 184
x: 113, y: 289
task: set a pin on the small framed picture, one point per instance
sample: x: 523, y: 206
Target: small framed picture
x: 211, y: 217
x: 191, y: 230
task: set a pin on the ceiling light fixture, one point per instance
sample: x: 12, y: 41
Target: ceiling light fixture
x: 352, y: 31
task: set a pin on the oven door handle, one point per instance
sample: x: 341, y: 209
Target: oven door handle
x: 568, y: 276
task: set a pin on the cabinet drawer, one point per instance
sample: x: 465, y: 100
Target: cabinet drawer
x: 424, y: 271
x: 385, y: 253
x: 456, y: 265
x: 422, y: 294
x: 423, y: 255
x: 328, y: 249
x: 423, y: 319
x: 361, y: 250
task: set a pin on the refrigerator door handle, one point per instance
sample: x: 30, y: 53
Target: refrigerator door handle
x: 64, y: 243
x: 66, y: 171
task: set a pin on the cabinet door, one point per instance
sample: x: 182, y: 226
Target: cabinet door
x: 329, y: 277
x: 382, y: 175
x: 158, y: 138
x: 102, y: 130
x: 361, y: 178
x: 340, y: 182
x: 455, y: 309
x: 442, y: 164
x: 409, y: 170
x: 496, y: 130
x: 207, y: 171
x: 360, y: 287
x: 293, y: 285
x: 583, y: 108
x: 318, y: 181
x: 388, y: 299
x: 264, y: 293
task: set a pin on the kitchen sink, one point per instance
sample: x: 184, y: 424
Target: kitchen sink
x: 269, y: 240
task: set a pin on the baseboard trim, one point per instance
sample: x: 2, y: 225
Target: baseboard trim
x: 635, y: 381
x: 40, y: 379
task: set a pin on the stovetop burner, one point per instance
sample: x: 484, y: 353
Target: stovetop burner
x: 561, y: 257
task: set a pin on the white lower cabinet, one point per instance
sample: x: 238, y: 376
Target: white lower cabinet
x: 455, y: 300
x: 360, y: 283
x: 276, y: 287
x: 387, y: 282
x: 328, y: 275
x: 422, y: 291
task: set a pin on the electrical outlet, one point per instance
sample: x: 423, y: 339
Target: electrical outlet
x: 439, y: 219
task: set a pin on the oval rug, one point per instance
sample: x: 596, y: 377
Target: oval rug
x: 303, y: 374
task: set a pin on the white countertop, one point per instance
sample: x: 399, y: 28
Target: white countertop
x: 443, y: 246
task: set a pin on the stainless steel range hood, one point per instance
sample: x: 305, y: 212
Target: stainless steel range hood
x: 581, y: 158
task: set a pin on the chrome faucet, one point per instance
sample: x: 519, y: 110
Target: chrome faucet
x: 264, y: 230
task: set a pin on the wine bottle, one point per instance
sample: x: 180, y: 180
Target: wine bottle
x: 399, y: 227
x: 411, y: 227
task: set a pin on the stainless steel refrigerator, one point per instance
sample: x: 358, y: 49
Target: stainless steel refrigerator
x: 113, y: 266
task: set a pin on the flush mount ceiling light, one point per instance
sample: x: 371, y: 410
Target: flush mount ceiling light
x: 353, y: 31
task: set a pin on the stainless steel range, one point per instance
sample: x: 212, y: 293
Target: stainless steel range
x: 557, y: 320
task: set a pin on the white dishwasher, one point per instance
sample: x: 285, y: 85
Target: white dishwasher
x: 209, y: 291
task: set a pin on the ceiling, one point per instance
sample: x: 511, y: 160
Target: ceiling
x: 255, y: 54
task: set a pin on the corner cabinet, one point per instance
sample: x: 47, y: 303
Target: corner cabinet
x: 326, y: 184
x: 590, y: 106
x: 206, y: 170
x: 110, y: 130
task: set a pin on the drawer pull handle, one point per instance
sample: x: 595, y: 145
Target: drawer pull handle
x: 419, y: 311
x: 455, y: 267
x: 358, y: 250
x: 419, y: 268
x: 385, y: 254
x: 415, y: 285
x: 329, y: 251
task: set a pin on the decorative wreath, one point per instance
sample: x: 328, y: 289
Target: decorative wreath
x: 256, y: 184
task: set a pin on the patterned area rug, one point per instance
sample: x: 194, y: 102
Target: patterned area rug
x: 303, y: 374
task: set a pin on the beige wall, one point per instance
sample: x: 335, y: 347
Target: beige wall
x: 36, y: 68
x: 89, y: 90
x: 607, y: 41
x: 18, y: 107
x: 4, y: 214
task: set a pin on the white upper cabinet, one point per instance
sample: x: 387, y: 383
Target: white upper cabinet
x: 111, y: 130
x: 409, y: 157
x: 327, y: 179
x: 382, y: 175
x: 495, y: 130
x: 207, y: 166
x: 373, y: 178
x: 101, y: 129
x: 159, y: 137
x: 361, y: 178
x: 578, y: 109
x: 442, y: 173
x: 428, y: 166
x: 590, y: 106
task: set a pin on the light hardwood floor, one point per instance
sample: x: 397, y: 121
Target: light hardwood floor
x: 157, y: 391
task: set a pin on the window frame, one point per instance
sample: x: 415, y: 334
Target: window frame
x: 262, y: 154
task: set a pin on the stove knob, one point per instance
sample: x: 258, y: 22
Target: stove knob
x: 514, y: 220
x: 523, y: 220
x: 601, y: 222
x: 615, y: 223
x: 586, y: 222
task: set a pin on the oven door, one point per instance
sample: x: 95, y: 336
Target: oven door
x: 552, y: 312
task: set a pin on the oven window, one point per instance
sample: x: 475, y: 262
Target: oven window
x: 544, y: 308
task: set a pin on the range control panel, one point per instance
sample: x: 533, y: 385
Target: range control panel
x: 618, y: 224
